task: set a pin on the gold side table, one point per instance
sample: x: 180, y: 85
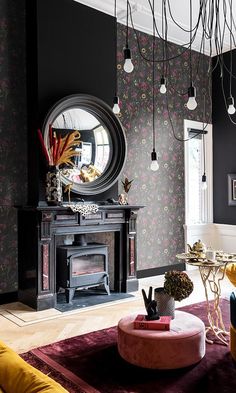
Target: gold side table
x: 212, y: 273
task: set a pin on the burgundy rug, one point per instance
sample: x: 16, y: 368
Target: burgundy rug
x: 90, y: 364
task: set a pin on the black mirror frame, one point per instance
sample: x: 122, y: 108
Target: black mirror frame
x: 119, y: 145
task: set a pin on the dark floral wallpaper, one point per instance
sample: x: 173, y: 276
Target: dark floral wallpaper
x: 13, y: 166
x: 160, y: 223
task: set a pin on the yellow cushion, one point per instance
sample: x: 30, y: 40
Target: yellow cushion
x: 233, y: 342
x: 17, y: 376
x: 231, y: 273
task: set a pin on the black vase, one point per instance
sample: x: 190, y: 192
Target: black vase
x: 53, y: 186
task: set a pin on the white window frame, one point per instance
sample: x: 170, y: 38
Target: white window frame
x: 207, y: 195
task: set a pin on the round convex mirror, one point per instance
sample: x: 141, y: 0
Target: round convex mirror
x: 93, y: 140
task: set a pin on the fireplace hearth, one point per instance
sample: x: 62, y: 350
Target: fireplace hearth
x: 82, y: 265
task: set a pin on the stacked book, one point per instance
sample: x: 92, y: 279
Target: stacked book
x: 163, y: 323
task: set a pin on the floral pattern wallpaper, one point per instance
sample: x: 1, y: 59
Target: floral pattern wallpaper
x: 13, y: 165
x: 160, y: 223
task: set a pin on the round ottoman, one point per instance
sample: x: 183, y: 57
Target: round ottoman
x: 181, y: 346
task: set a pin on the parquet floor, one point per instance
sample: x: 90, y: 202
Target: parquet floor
x: 23, y: 338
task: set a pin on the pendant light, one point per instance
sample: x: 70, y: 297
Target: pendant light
x: 231, y: 108
x: 116, y: 101
x: 163, y: 85
x: 204, y: 178
x: 230, y: 101
x: 128, y: 65
x: 192, y: 103
x: 154, y: 163
x: 163, y: 79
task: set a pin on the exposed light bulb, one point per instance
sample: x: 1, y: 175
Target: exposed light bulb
x: 154, y: 164
x: 204, y: 186
x: 204, y: 182
x: 116, y: 108
x: 231, y: 108
x: 163, y: 85
x: 192, y: 103
x: 128, y: 65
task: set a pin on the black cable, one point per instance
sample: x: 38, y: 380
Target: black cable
x: 127, y: 24
x: 153, y: 85
x: 116, y: 92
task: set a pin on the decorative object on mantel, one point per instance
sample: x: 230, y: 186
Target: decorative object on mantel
x: 83, y: 208
x: 61, y: 150
x: 53, y: 185
x: 177, y: 286
x: 68, y: 190
x: 123, y: 197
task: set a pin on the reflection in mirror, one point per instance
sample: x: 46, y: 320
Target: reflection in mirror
x: 92, y: 151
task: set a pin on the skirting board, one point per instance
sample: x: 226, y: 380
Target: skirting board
x: 156, y: 271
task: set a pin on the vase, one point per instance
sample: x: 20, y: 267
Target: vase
x: 53, y: 186
x: 165, y: 303
x: 123, y: 198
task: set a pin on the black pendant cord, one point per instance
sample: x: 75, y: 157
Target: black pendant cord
x: 203, y: 136
x: 153, y: 84
x: 190, y: 49
x: 116, y: 90
x: 163, y: 42
x: 127, y: 24
x: 231, y: 55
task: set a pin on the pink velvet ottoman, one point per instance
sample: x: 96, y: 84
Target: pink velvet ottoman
x: 181, y: 346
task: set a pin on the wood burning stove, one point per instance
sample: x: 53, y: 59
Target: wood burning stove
x: 82, y: 265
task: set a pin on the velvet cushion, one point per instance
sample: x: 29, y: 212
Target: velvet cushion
x: 231, y: 273
x: 17, y: 376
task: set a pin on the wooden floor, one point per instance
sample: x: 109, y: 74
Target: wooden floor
x: 21, y: 339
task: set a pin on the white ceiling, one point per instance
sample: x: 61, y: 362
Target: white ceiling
x: 143, y: 19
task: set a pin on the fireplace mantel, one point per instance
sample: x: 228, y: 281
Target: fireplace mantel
x: 38, y: 229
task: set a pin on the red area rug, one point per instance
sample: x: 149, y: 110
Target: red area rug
x: 90, y: 364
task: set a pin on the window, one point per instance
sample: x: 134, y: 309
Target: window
x: 102, y: 148
x: 198, y: 202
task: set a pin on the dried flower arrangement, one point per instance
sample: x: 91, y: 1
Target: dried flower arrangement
x: 61, y: 149
x: 178, y: 285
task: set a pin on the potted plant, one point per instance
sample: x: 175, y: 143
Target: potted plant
x: 177, y: 286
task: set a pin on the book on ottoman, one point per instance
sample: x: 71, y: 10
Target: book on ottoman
x: 163, y: 323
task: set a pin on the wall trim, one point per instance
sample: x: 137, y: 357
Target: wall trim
x: 157, y: 271
x: 226, y: 229
x: 8, y: 297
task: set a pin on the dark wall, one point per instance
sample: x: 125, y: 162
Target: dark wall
x: 75, y: 54
x: 224, y: 147
x: 13, y: 163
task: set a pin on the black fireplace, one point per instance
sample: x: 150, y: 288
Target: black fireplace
x: 82, y: 265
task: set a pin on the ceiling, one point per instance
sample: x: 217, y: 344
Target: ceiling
x: 143, y: 19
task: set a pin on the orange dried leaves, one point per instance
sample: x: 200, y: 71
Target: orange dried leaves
x: 63, y: 149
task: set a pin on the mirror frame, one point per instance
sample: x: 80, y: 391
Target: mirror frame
x: 104, y: 113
